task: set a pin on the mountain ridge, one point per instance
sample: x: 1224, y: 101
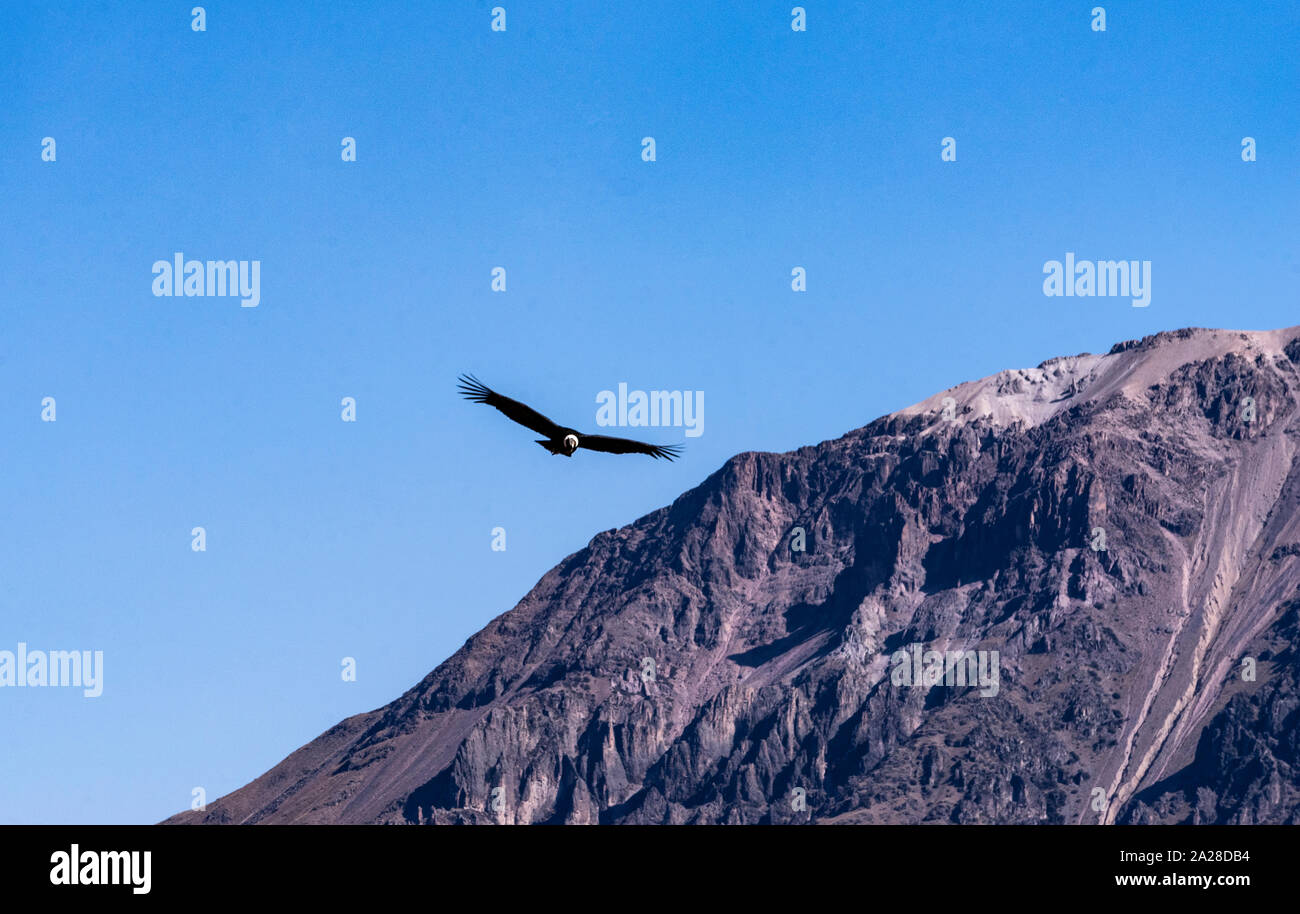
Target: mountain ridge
x: 964, y: 521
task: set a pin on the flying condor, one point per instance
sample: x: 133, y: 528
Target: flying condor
x: 559, y: 439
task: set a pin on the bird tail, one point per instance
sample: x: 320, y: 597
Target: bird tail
x: 550, y: 446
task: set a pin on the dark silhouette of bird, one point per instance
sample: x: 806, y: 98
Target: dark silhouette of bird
x: 560, y: 439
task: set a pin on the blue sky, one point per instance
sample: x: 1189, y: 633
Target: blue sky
x: 522, y: 149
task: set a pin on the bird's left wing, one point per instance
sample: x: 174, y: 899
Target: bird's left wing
x: 628, y: 446
x: 471, y: 388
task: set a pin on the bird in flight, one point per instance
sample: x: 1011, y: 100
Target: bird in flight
x: 559, y: 439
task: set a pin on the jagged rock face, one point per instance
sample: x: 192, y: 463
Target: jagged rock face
x: 1120, y: 529
x: 1247, y: 764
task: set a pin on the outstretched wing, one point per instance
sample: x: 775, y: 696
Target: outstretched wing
x: 628, y: 446
x: 472, y: 388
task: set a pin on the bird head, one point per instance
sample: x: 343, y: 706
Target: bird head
x: 570, y: 443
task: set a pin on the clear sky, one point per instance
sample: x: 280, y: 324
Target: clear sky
x: 775, y: 149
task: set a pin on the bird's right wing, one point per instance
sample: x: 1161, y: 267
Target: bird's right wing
x: 627, y: 446
x: 472, y: 388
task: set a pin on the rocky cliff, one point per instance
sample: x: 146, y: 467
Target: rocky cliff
x: 1115, y: 537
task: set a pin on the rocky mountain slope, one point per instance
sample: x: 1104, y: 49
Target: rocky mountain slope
x: 1120, y: 529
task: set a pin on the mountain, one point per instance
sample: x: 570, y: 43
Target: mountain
x: 1120, y: 529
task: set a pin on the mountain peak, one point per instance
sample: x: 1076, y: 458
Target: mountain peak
x: 1031, y: 396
